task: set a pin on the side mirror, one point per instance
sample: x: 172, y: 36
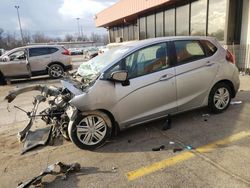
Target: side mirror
x: 119, y: 76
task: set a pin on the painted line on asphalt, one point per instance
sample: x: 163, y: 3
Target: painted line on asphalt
x: 135, y: 174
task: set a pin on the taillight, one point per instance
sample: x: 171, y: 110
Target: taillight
x: 230, y: 57
x: 66, y: 52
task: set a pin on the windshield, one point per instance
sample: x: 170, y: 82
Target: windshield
x: 95, y: 65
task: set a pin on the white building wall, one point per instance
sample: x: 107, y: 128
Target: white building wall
x: 245, y: 32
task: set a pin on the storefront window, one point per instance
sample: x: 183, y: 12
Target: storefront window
x: 131, y: 32
x: 182, y: 20
x: 198, y: 17
x: 111, y: 35
x: 151, y: 26
x: 159, y: 24
x: 142, y: 29
x: 217, y: 18
x: 125, y: 33
x: 169, y: 22
x: 135, y: 31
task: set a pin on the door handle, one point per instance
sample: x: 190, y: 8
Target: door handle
x: 166, y: 77
x: 208, y: 64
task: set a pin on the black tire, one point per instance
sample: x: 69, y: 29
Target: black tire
x: 2, y: 80
x: 55, y: 71
x: 221, y: 93
x: 81, y: 124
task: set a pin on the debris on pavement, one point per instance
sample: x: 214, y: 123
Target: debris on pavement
x: 189, y: 147
x: 235, y: 102
x: 64, y: 169
x: 177, y: 150
x: 114, y: 169
x: 162, y: 147
x: 171, y: 143
x: 205, y: 115
x: 167, y: 124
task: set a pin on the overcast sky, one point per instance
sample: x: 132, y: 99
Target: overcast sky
x: 54, y: 18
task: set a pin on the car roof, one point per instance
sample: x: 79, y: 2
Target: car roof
x: 138, y: 44
x: 32, y: 46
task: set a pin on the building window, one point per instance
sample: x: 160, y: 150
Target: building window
x: 198, y: 17
x: 125, y: 33
x: 111, y: 35
x: 169, y: 22
x: 217, y: 18
x: 142, y: 29
x: 151, y: 26
x: 159, y: 24
x: 182, y: 20
x: 136, y: 31
x: 131, y: 32
x: 119, y: 29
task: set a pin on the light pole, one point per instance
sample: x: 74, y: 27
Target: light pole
x: 78, y: 28
x: 17, y: 7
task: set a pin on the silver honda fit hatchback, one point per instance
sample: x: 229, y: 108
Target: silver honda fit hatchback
x: 146, y: 80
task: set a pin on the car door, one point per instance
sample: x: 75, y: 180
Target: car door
x: 17, y: 65
x: 39, y: 58
x: 194, y: 73
x: 151, y: 92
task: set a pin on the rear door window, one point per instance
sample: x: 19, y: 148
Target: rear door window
x: 187, y: 51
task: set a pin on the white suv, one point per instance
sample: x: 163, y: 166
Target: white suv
x: 28, y: 61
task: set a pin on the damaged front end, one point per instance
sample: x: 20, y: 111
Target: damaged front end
x: 56, y: 115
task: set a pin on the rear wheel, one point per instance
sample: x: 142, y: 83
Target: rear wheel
x: 55, y: 71
x: 90, y: 130
x: 219, y: 98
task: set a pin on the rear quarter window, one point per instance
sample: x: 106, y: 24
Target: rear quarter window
x: 210, y: 48
x: 188, y: 50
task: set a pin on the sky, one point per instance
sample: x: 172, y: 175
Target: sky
x: 54, y: 18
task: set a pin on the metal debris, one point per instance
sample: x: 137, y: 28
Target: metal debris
x: 64, y: 169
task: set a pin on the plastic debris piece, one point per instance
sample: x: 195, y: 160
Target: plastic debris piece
x: 235, y: 102
x: 177, y: 150
x: 162, y: 147
x: 205, y: 115
x: 171, y: 143
x: 189, y: 147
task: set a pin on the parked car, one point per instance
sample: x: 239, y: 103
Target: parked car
x: 75, y: 51
x: 1, y: 51
x: 141, y: 82
x: 92, y: 52
x: 28, y: 61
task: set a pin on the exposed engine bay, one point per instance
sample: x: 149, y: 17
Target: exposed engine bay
x: 56, y: 115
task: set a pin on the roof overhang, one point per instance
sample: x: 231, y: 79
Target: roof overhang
x: 125, y: 11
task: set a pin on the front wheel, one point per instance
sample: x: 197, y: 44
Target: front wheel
x: 90, y: 130
x: 55, y: 71
x: 219, y: 98
x: 2, y: 79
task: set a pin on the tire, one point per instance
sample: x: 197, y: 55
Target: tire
x: 2, y: 79
x: 219, y: 98
x: 84, y: 135
x: 55, y: 71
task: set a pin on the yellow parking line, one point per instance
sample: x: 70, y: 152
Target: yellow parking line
x: 132, y: 175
